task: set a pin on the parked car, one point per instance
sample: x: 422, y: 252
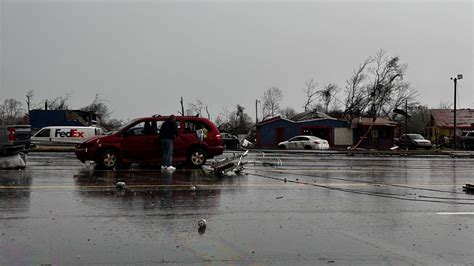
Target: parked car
x: 414, y: 141
x: 467, y: 140
x: 139, y: 142
x: 14, y: 139
x: 65, y: 135
x: 304, y: 142
x: 231, y: 142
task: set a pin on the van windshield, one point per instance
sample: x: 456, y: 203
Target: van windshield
x: 43, y: 133
x: 415, y: 136
x: 124, y: 126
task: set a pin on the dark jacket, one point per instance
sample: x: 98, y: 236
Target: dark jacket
x: 169, y: 130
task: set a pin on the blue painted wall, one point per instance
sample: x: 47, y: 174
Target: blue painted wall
x: 46, y: 118
x: 268, y: 132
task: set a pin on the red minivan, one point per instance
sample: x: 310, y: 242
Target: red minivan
x: 139, y: 142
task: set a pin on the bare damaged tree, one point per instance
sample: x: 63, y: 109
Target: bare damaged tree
x: 389, y: 91
x: 327, y: 95
x: 420, y: 117
x: 195, y: 108
x: 404, y: 94
x: 271, y: 102
x: 445, y: 105
x: 99, y: 107
x: 310, y: 92
x: 235, y: 122
x: 384, y: 93
x: 11, y: 112
x: 288, y: 112
x: 356, y: 92
x: 207, y: 112
x: 58, y: 103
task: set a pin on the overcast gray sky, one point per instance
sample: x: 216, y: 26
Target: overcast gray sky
x: 142, y: 56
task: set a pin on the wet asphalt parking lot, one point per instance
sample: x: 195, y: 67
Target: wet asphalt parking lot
x: 332, y: 209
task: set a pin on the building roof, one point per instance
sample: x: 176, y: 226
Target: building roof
x: 271, y: 119
x: 445, y: 117
x: 301, y: 122
x: 368, y: 121
x: 309, y: 115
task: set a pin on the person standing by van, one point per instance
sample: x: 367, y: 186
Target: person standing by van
x: 168, y: 133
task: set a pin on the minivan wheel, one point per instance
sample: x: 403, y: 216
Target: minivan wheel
x: 197, y: 157
x: 108, y: 159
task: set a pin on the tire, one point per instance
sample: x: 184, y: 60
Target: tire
x: 282, y: 147
x: 197, y: 157
x: 108, y: 159
x: 307, y: 147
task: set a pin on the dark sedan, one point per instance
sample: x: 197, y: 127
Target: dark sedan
x: 230, y: 142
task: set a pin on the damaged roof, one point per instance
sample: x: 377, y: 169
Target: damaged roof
x: 445, y: 117
x: 309, y: 115
x: 367, y: 121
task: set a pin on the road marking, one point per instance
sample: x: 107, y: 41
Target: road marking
x: 455, y: 213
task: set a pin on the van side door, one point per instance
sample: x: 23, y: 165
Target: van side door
x: 188, y: 137
x: 139, y: 142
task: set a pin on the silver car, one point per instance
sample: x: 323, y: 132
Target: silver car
x: 304, y: 142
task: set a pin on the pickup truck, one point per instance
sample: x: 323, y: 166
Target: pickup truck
x: 467, y: 140
x: 14, y: 139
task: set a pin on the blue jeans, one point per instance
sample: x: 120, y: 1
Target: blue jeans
x: 167, y: 148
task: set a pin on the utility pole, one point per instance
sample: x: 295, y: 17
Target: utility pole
x: 406, y: 116
x: 455, y: 83
x: 28, y: 102
x: 256, y: 112
x: 182, y: 107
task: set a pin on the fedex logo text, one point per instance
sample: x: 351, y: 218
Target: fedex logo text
x: 73, y: 133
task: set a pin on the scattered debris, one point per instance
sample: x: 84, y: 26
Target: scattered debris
x: 17, y: 161
x: 202, y: 226
x: 120, y: 185
x: 279, y: 197
x: 468, y: 188
x: 230, y: 164
x: 285, y: 180
x: 202, y: 223
x: 201, y: 230
x: 193, y: 188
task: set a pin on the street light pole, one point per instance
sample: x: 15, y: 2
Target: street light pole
x: 455, y: 83
x: 256, y: 112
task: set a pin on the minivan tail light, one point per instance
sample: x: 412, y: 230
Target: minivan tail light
x: 11, y: 134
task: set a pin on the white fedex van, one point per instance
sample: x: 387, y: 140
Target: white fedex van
x: 65, y: 135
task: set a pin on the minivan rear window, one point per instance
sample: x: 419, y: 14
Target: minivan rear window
x: 192, y: 126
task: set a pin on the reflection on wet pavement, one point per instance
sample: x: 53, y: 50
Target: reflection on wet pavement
x: 331, y: 209
x: 186, y: 189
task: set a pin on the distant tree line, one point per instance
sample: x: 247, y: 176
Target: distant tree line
x: 375, y: 88
x: 13, y: 112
